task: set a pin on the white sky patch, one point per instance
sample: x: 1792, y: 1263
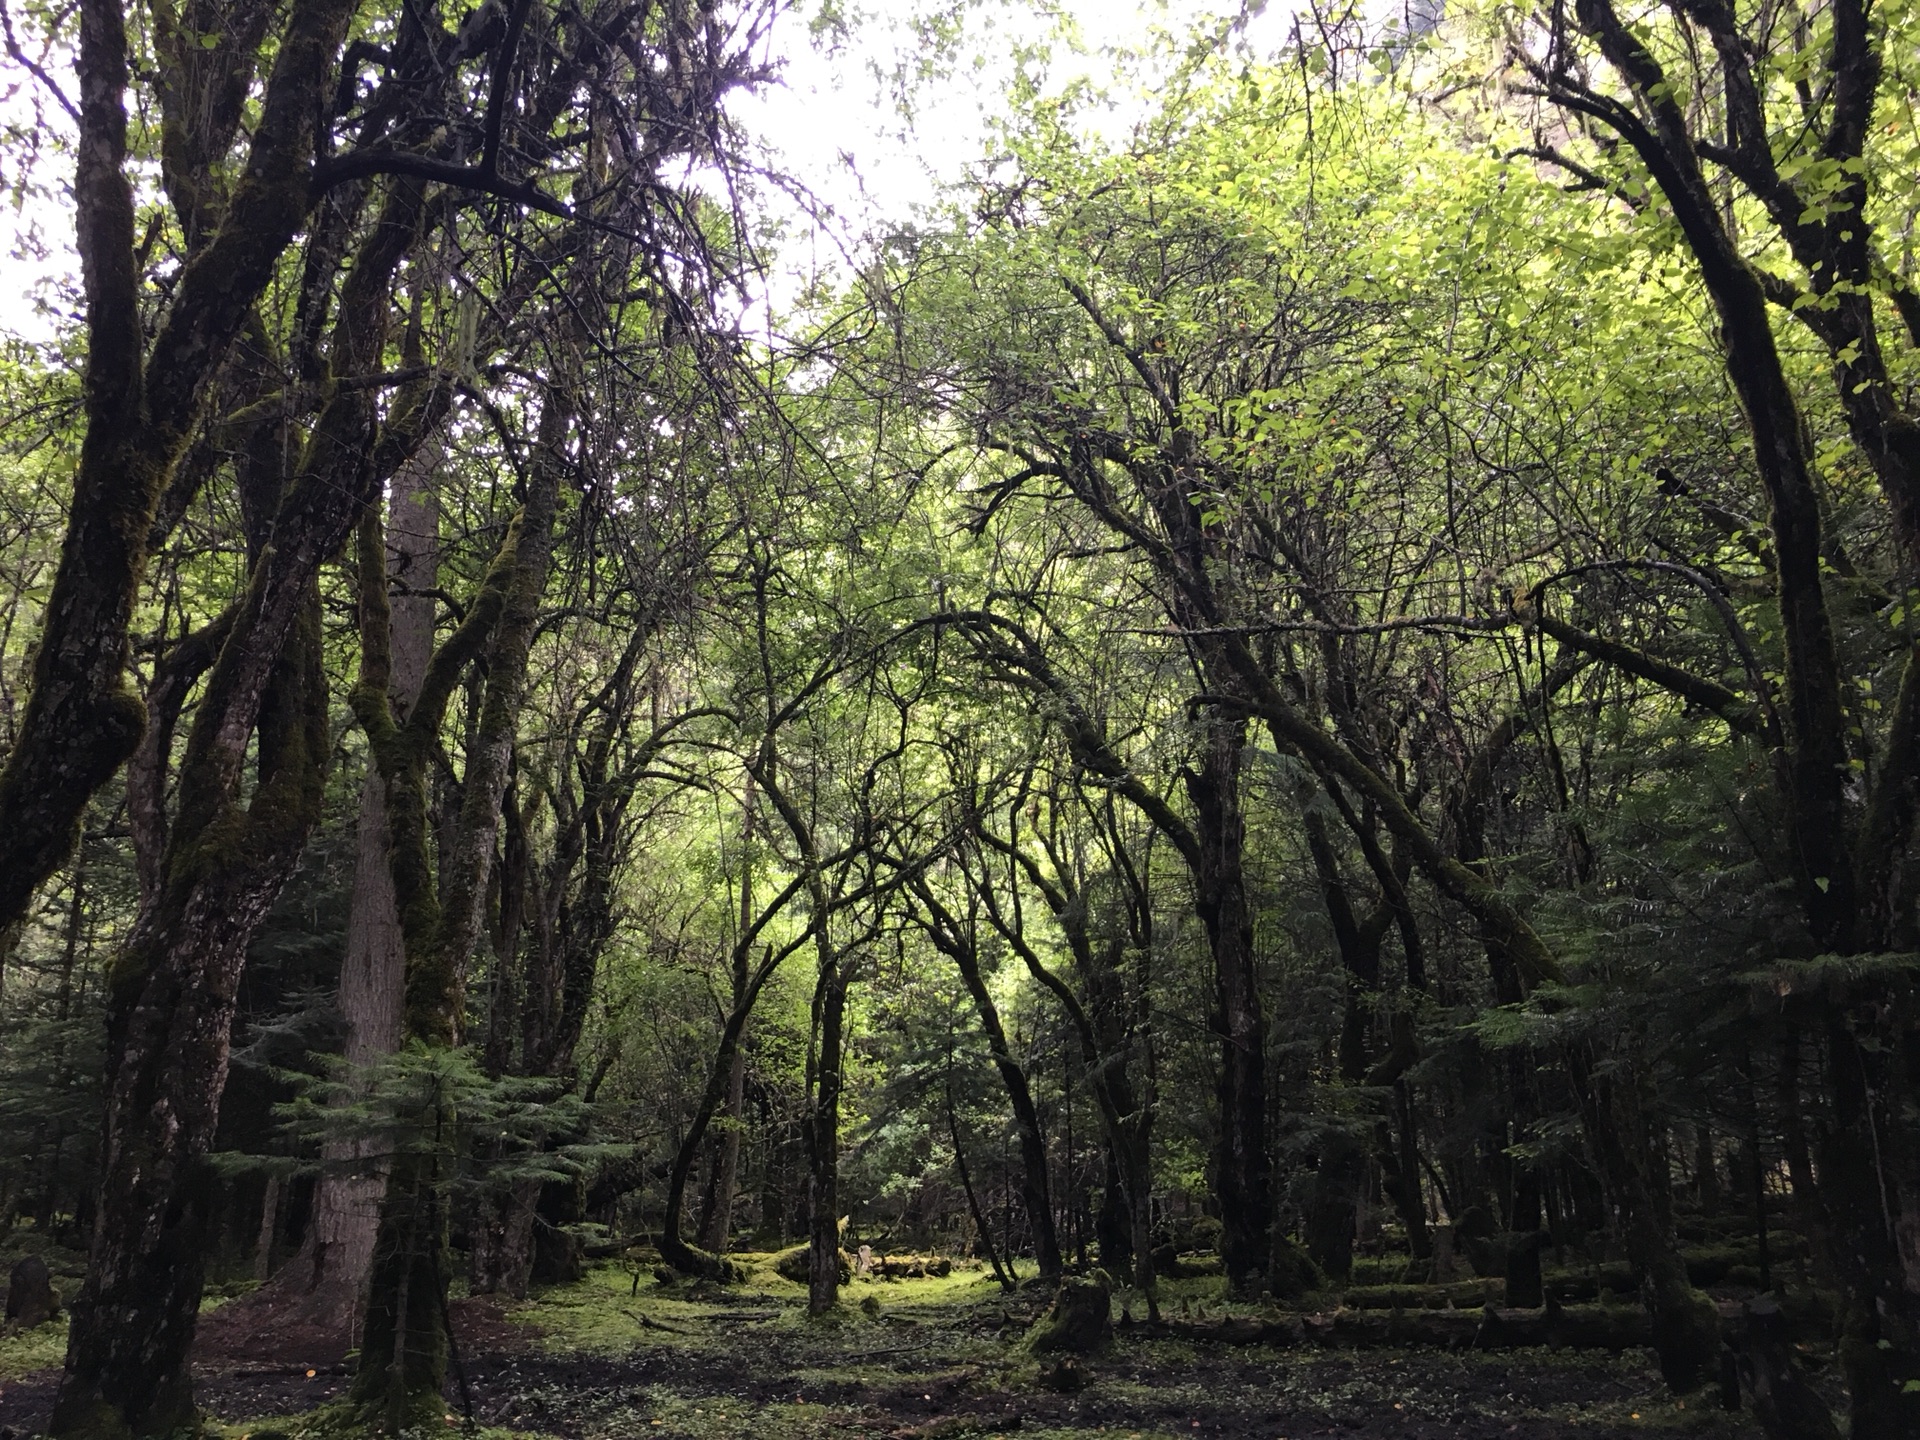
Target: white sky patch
x: 836, y: 123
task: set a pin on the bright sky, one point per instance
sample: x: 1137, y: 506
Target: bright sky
x: 831, y: 104
x: 837, y: 126
x: 834, y: 123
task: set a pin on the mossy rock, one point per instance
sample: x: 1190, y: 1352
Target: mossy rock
x: 1167, y: 1264
x: 1080, y: 1320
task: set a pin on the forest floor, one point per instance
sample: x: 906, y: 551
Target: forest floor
x: 919, y: 1359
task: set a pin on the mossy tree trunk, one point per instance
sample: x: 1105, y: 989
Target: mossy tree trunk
x: 171, y: 1015
x: 326, y: 1280
x: 141, y: 399
x: 717, y: 1223
x: 1242, y: 1168
x: 1846, y: 862
x: 404, y: 1339
x: 172, y: 991
x: 1686, y: 1327
x: 825, y: 1071
x: 1334, y: 1207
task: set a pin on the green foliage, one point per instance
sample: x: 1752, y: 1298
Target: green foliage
x: 431, y: 1101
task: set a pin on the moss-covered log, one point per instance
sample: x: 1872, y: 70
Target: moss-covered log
x: 1590, y: 1327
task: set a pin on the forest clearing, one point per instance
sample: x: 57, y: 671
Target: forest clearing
x: 921, y: 1359
x: 786, y: 717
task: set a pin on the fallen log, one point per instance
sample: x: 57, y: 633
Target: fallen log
x: 910, y: 1267
x: 796, y: 1264
x: 1582, y: 1327
x: 1461, y: 1294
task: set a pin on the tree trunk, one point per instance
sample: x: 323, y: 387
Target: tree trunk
x: 1686, y: 1327
x: 404, y: 1342
x: 1402, y: 1178
x: 718, y: 1218
x: 956, y: 939
x: 81, y: 720
x: 823, y: 1131
x: 329, y: 1275
x: 171, y: 1011
x: 1241, y: 1167
x: 718, y: 1222
x: 502, y: 1242
x: 403, y: 1339
x: 1524, y: 1287
x: 1842, y: 886
x: 973, y: 1200
x: 269, y: 1222
x: 1332, y: 1212
x: 1113, y: 1225
x: 169, y: 1027
x: 1863, y: 1217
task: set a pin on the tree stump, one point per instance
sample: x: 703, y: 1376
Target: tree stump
x: 1291, y: 1273
x: 1522, y: 1261
x: 556, y: 1255
x: 1476, y: 1236
x: 1079, y: 1322
x: 31, y: 1298
x: 1787, y: 1407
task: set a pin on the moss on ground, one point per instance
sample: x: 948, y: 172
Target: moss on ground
x: 337, y: 1423
x: 942, y: 1359
x: 41, y: 1348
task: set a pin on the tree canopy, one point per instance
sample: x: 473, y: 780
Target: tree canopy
x: 1311, y: 677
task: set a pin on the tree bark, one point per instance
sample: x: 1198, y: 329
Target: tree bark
x: 718, y: 1221
x: 81, y: 720
x: 1111, y: 1023
x: 956, y: 941
x: 726, y: 1162
x: 404, y: 1340
x: 823, y: 1127
x: 1842, y: 877
x: 1242, y: 1170
x: 170, y: 1020
x: 327, y: 1279
x: 171, y: 1008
